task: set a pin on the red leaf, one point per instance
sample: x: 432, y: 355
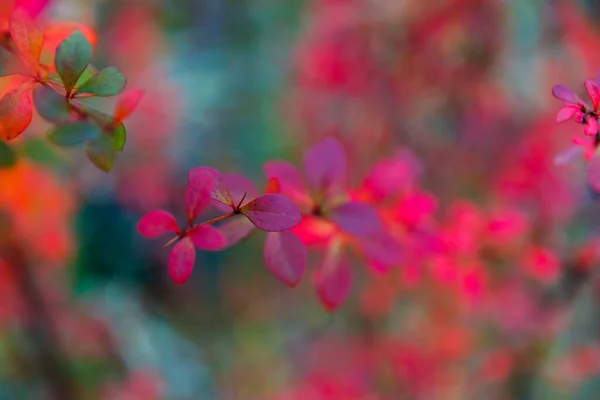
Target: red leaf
x: 207, y: 237
x: 357, y: 219
x: 127, y: 103
x: 272, y: 213
x: 288, y: 180
x: 285, y: 257
x: 333, y: 280
x: 27, y: 36
x: 235, y: 229
x: 198, y: 193
x: 181, y: 260
x: 220, y: 192
x: 157, y: 223
x: 325, y: 165
x: 16, y: 111
x: 593, y: 92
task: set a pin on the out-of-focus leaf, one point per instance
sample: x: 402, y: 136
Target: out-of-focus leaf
x: 333, y: 280
x: 325, y: 165
x: 8, y: 157
x: 289, y: 180
x: 127, y: 103
x: 27, y: 36
x: 235, y: 229
x: 357, y: 219
x: 272, y: 213
x: 39, y: 151
x: 101, y: 152
x: 119, y: 137
x: 50, y: 105
x: 285, y: 257
x: 16, y: 111
x: 107, y: 82
x: 73, y: 134
x: 73, y: 56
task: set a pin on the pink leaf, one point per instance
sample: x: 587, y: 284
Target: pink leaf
x: 289, y: 180
x: 198, y: 193
x: 391, y: 176
x: 591, y: 128
x: 272, y: 213
x: 181, y: 260
x: 593, y: 92
x: 157, y: 223
x: 333, y: 281
x: 235, y: 229
x: 207, y: 237
x: 566, y: 113
x: 382, y: 249
x: 358, y: 219
x: 593, y: 172
x: 325, y: 165
x: 237, y: 185
x: 565, y: 94
x: 285, y: 257
x: 127, y: 104
x: 220, y: 193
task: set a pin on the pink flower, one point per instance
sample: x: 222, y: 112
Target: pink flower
x: 271, y: 212
x: 331, y: 222
x: 575, y: 107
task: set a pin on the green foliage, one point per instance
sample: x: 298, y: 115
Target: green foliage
x: 8, y: 156
x: 108, y: 82
x: 39, y: 152
x: 73, y: 134
x: 119, y: 137
x: 73, y: 56
x: 101, y: 152
x: 50, y: 105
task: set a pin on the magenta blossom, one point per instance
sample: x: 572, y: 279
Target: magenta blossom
x: 331, y: 221
x: 573, y: 106
x: 272, y: 213
x: 284, y: 254
x: 203, y: 236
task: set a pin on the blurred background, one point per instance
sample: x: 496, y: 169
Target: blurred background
x: 508, y: 308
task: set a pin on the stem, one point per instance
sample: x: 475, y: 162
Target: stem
x: 215, y: 220
x: 40, y: 328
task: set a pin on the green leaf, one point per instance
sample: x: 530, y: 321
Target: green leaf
x: 8, y: 157
x: 73, y: 134
x: 39, y: 151
x: 73, y: 56
x: 108, y: 82
x: 85, y: 76
x: 101, y: 152
x: 50, y: 105
x: 119, y: 136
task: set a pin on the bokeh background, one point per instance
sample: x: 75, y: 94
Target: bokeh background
x: 507, y: 308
